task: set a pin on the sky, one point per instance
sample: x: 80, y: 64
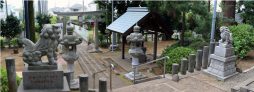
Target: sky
x: 17, y: 4
x: 51, y: 3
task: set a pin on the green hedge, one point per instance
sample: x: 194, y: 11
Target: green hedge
x: 4, y: 80
x: 175, y: 55
x: 243, y: 39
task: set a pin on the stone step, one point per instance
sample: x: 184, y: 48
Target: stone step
x: 146, y: 79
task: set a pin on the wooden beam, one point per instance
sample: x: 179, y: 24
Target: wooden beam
x: 155, y: 45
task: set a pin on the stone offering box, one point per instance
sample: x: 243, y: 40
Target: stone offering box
x: 37, y: 79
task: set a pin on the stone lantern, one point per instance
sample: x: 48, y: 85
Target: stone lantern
x: 70, y: 43
x: 135, y: 39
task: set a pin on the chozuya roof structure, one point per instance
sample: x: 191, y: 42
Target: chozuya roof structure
x: 151, y: 22
x: 128, y: 19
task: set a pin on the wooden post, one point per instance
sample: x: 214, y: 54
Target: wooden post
x: 11, y: 74
x: 123, y: 46
x: 143, y: 35
x: 155, y: 45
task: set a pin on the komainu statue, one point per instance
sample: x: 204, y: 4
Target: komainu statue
x: 45, y: 46
x: 226, y: 35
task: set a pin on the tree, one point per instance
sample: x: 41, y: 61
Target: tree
x: 42, y: 19
x: 229, y: 8
x: 10, y: 27
x: 120, y: 6
x: 247, y: 11
x: 175, y: 12
x: 1, y: 4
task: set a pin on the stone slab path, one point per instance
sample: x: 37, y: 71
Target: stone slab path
x: 192, y: 82
x: 187, y: 84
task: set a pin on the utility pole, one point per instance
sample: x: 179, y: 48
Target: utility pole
x: 213, y: 21
x: 113, y: 45
x: 83, y: 6
x: 6, y: 8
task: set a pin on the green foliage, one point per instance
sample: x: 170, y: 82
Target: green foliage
x: 2, y: 44
x: 175, y: 55
x: 4, y: 80
x: 14, y: 42
x: 1, y: 4
x: 203, y: 25
x: 172, y: 11
x: 103, y: 40
x: 10, y: 27
x: 247, y: 12
x: 198, y: 43
x: 121, y: 7
x: 53, y: 19
x: 243, y: 39
x: 43, y: 19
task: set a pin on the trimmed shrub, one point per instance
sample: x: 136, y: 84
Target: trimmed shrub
x: 4, y: 80
x: 175, y: 55
x: 243, y: 39
x: 198, y: 43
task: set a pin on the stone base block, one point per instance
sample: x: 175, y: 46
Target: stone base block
x: 64, y: 89
x: 222, y: 78
x: 43, y: 79
x: 130, y: 76
x: 224, y: 52
x: 74, y: 84
x: 224, y: 59
x: 222, y: 67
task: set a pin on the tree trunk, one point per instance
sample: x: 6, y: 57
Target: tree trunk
x: 31, y: 20
x: 229, y: 8
x: 183, y: 29
x: 209, y: 5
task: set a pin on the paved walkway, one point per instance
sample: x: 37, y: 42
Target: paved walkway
x: 195, y: 82
x: 187, y: 84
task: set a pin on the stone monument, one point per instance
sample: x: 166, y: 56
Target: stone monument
x: 39, y: 76
x: 223, y: 60
x: 135, y: 39
x: 69, y: 43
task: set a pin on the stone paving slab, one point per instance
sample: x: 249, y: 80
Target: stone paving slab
x: 166, y: 85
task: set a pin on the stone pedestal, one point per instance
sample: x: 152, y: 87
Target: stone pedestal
x: 43, y: 81
x: 138, y: 75
x: 222, y: 62
x: 130, y: 75
x: 113, y: 47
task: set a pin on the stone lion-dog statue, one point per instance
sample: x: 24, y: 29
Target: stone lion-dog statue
x: 226, y: 36
x: 45, y: 46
